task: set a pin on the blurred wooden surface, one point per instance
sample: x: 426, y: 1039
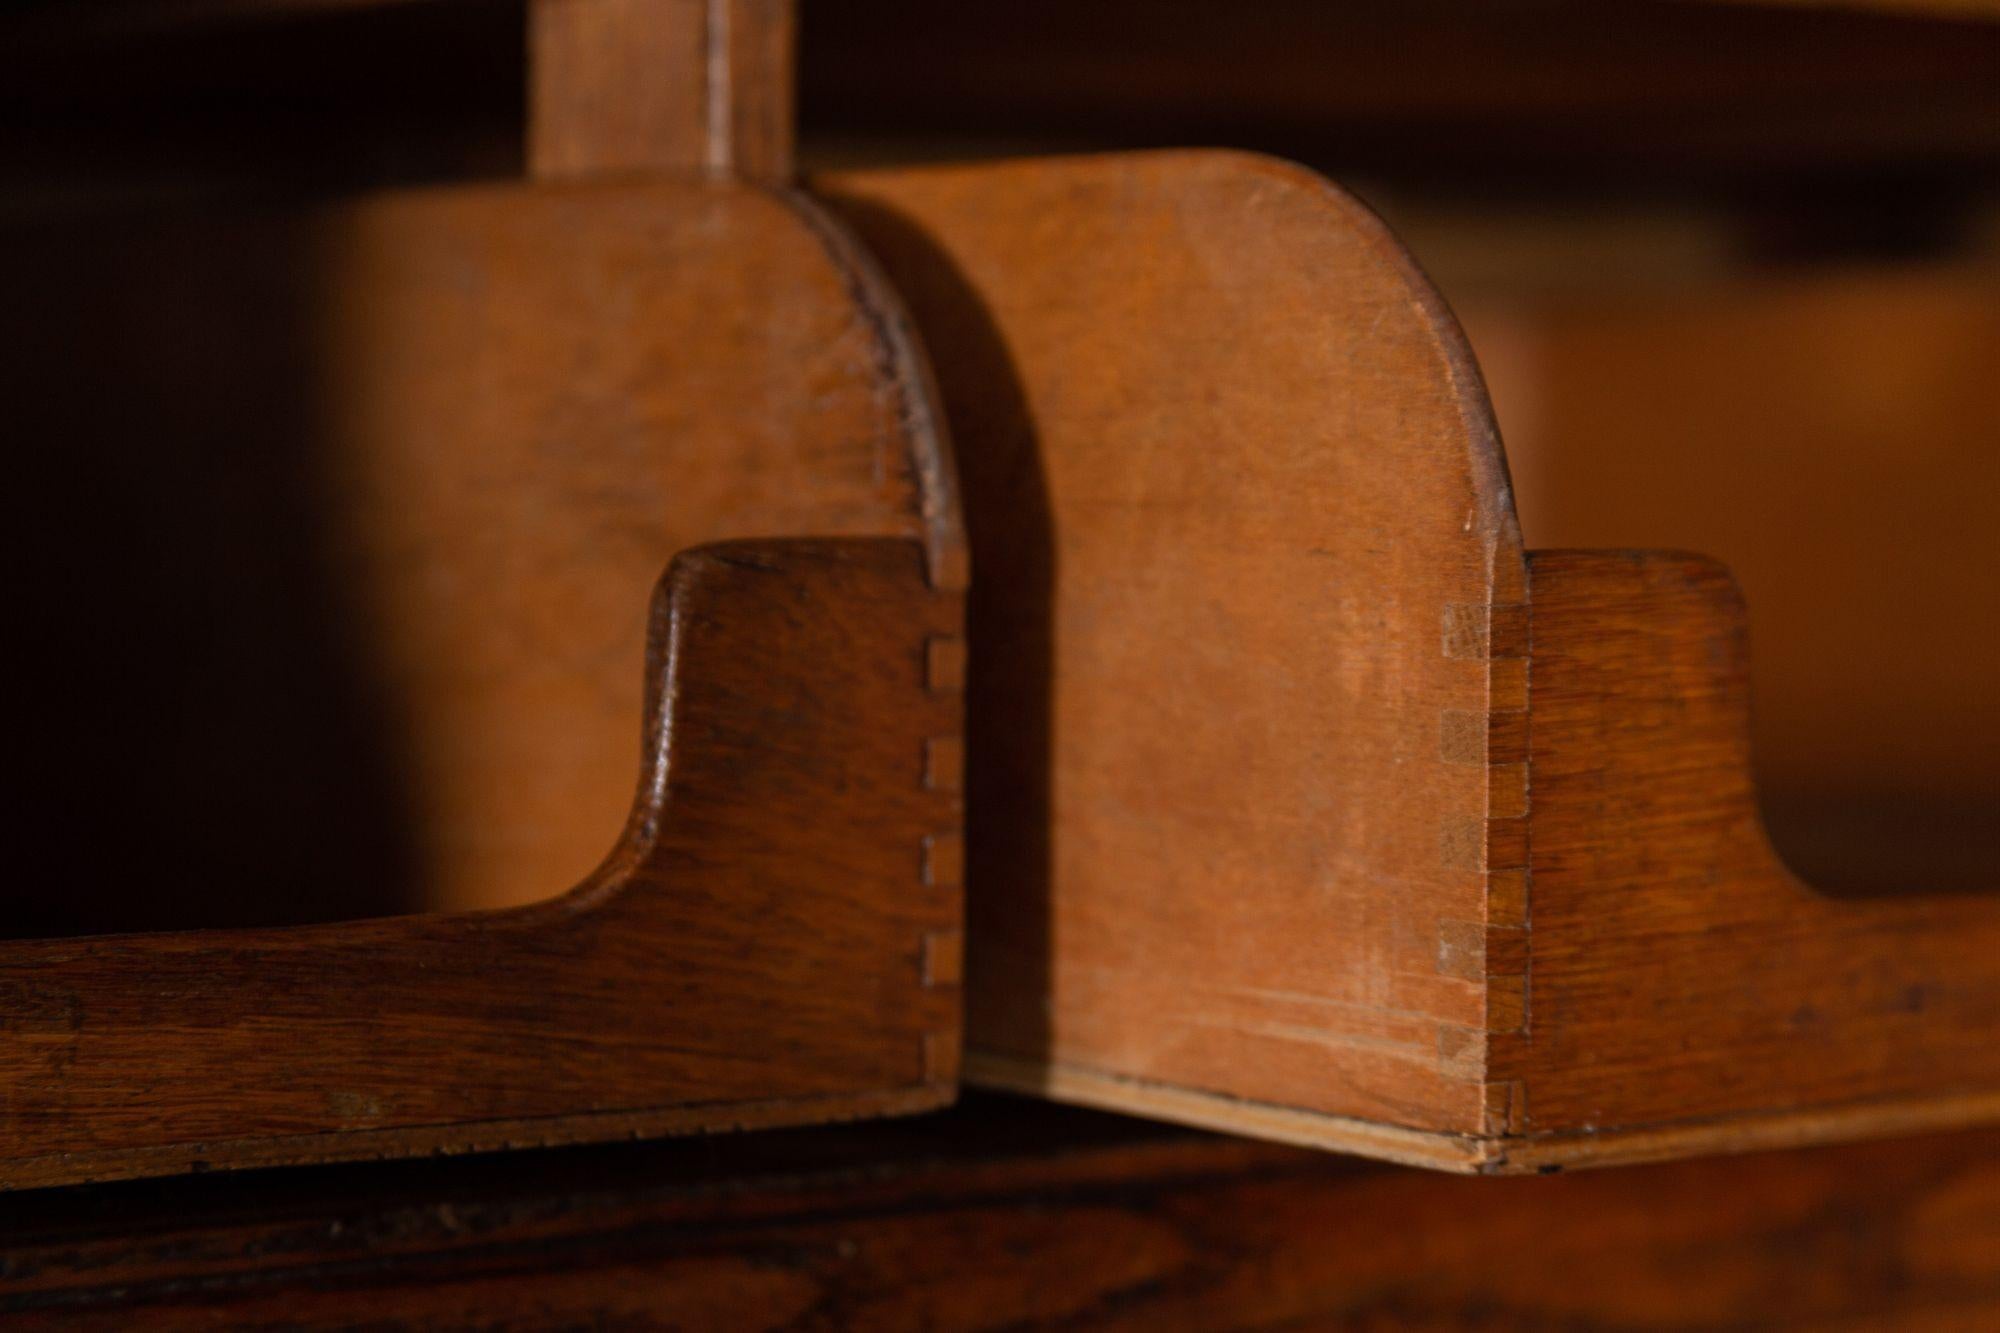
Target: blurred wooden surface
x: 637, y: 86
x: 1010, y: 1215
x: 764, y: 945
x: 1832, y: 434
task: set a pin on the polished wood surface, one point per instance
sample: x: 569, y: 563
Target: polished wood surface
x: 1242, y: 519
x: 384, y: 486
x: 1240, y: 522
x: 1005, y: 1216
x: 765, y: 944
x: 1678, y: 975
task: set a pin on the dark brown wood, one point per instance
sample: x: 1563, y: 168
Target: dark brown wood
x: 1677, y: 974
x: 425, y: 455
x: 180, y: 94
x: 1262, y: 698
x: 1007, y: 1216
x: 763, y: 946
x: 1455, y: 92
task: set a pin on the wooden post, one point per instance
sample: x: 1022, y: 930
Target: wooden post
x: 622, y: 87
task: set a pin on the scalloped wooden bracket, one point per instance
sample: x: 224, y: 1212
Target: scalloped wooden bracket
x: 479, y: 418
x: 763, y: 947
x: 1304, y: 802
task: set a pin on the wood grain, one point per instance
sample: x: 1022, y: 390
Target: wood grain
x: 1240, y: 520
x: 752, y: 952
x: 429, y: 452
x: 1355, y: 834
x: 1678, y: 973
x: 1008, y: 1216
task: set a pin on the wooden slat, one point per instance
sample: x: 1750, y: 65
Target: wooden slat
x: 1338, y: 828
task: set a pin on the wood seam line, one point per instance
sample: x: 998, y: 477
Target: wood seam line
x: 1493, y: 844
x: 941, y: 952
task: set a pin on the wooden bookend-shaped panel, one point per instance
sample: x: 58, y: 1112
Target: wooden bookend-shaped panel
x: 762, y: 947
x: 349, y: 519
x: 1687, y: 993
x: 1291, y: 811
x: 1246, y: 637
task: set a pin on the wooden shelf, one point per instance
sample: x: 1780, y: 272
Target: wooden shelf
x: 1305, y: 802
x: 415, y: 453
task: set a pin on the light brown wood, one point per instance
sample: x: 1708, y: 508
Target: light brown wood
x: 639, y: 86
x: 1239, y: 520
x: 1355, y: 834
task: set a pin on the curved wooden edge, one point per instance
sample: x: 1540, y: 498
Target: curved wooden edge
x: 1213, y: 420
x: 911, y: 384
x: 1681, y: 989
x: 775, y: 941
x: 1581, y: 947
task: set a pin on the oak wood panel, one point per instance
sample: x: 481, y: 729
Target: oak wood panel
x: 1001, y: 1215
x: 425, y: 456
x: 1676, y: 971
x: 1245, y: 526
x: 762, y: 946
x: 1240, y: 520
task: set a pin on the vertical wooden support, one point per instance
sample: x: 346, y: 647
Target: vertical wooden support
x: 629, y: 87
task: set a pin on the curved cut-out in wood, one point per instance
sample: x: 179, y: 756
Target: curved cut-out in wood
x: 761, y: 947
x: 433, y: 450
x: 384, y: 487
x: 1304, y: 802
